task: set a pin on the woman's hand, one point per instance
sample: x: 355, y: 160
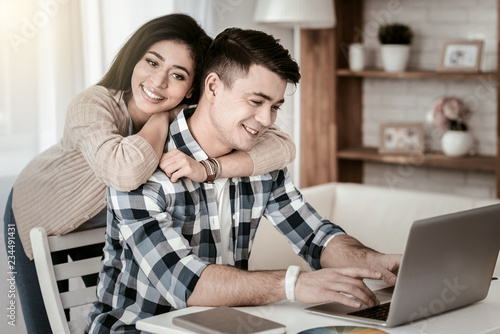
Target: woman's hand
x: 176, y: 164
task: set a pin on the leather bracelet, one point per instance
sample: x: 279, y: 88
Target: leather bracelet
x: 210, y: 169
x: 291, y: 276
x: 207, y: 169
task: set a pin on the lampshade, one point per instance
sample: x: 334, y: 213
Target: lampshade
x: 288, y: 13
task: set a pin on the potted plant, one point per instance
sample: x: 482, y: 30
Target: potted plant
x: 395, y: 51
x: 449, y: 113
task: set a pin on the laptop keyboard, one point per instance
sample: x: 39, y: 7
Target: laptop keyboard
x: 378, y: 312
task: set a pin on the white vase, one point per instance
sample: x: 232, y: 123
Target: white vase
x: 456, y: 143
x: 356, y: 57
x: 395, y: 57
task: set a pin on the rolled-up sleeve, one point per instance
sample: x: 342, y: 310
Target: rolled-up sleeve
x: 304, y: 228
x: 154, y: 243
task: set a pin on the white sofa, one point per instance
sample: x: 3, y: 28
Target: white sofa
x: 379, y: 217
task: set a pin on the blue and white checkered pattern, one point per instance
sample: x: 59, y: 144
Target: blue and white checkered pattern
x: 161, y: 236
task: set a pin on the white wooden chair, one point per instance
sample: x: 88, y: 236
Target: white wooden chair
x: 49, y: 275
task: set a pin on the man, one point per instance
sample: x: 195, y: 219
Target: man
x: 171, y: 245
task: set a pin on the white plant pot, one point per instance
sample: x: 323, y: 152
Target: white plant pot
x: 395, y: 57
x: 456, y: 143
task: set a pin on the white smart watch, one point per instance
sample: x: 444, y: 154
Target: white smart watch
x: 290, y: 279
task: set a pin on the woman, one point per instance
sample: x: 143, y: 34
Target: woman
x: 114, y: 136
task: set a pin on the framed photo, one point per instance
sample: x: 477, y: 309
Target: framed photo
x: 401, y: 138
x: 461, y: 56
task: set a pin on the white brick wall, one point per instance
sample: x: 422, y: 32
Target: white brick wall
x: 388, y: 100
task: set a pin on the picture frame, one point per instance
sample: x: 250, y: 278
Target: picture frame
x: 400, y: 138
x: 461, y: 56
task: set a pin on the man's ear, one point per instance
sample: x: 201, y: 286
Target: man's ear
x: 213, y: 84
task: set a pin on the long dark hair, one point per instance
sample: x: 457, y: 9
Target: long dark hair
x: 174, y: 27
x: 234, y: 50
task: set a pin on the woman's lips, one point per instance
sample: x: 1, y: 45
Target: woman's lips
x: 152, y: 95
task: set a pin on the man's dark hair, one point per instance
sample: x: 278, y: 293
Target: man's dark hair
x: 235, y: 50
x: 180, y: 28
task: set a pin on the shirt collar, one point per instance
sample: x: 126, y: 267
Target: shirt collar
x: 180, y: 137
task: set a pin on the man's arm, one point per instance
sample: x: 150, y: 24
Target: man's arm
x: 227, y: 286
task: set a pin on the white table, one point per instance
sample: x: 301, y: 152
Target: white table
x: 482, y: 317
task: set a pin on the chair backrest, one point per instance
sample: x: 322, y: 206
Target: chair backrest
x: 49, y: 274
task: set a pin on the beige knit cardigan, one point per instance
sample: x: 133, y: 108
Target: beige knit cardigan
x: 65, y: 185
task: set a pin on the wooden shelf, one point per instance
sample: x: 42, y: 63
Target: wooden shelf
x: 473, y: 163
x: 417, y: 74
x: 333, y: 104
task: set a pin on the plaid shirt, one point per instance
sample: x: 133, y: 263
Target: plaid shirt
x: 160, y: 237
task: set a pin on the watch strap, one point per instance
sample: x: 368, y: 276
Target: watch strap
x: 291, y: 276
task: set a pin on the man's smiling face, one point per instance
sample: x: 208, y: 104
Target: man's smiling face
x: 242, y: 113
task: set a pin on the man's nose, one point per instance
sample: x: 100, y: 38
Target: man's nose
x: 264, y: 117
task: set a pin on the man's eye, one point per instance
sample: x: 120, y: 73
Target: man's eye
x: 276, y: 108
x: 152, y: 62
x: 257, y: 103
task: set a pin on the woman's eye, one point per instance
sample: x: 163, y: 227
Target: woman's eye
x: 257, y: 103
x: 152, y: 62
x: 178, y: 76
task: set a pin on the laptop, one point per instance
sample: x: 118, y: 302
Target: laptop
x: 448, y: 263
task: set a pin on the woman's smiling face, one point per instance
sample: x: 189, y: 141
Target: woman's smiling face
x: 161, y: 79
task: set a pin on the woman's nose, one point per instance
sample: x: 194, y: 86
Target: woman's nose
x: 160, y: 80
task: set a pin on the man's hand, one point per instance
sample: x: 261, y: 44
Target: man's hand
x: 177, y: 164
x: 330, y: 284
x: 388, y: 265
x: 345, y: 251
